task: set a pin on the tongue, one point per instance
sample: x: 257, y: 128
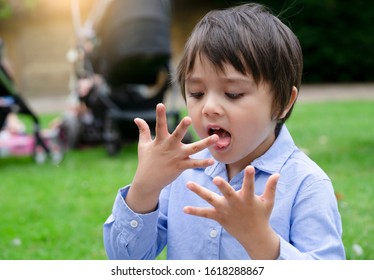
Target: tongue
x: 224, y: 138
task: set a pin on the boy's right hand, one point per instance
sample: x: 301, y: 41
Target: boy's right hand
x: 162, y: 160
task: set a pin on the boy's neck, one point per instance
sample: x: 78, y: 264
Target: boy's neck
x: 237, y: 167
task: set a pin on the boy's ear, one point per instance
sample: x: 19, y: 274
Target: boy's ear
x: 293, y: 97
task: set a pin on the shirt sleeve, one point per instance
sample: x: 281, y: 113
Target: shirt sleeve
x: 315, y: 225
x: 128, y: 235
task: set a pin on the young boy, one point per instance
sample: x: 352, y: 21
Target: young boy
x: 244, y: 191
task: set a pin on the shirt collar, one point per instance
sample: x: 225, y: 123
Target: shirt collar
x: 270, y: 162
x: 274, y: 158
x: 217, y: 169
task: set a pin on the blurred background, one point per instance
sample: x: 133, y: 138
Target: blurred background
x: 56, y: 211
x: 39, y: 33
x: 336, y: 36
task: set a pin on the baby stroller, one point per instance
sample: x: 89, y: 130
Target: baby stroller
x: 14, y: 142
x: 129, y: 67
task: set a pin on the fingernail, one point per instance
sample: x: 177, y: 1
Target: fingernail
x: 214, y: 137
x: 187, y: 210
x: 187, y: 120
x: 210, y: 161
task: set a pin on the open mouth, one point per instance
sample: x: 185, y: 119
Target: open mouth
x: 224, y: 137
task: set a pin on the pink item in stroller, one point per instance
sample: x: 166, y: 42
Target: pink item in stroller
x: 13, y: 139
x: 21, y: 144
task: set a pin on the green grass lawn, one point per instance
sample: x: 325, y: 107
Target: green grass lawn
x: 57, y: 212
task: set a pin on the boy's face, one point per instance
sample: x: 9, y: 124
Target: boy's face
x: 232, y: 106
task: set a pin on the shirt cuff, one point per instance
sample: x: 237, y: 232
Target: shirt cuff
x: 130, y: 223
x: 288, y: 252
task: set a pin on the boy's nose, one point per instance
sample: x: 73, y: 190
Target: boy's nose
x: 212, y: 106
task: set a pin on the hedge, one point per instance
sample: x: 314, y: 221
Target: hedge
x: 337, y: 36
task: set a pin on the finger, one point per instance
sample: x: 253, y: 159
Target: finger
x: 225, y: 188
x: 209, y: 196
x: 248, y: 187
x: 196, y: 163
x: 144, y: 131
x: 181, y: 130
x: 161, y: 122
x: 270, y: 188
x: 200, y: 145
x: 209, y: 213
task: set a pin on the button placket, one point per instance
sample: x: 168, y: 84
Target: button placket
x: 213, y: 233
x: 134, y: 223
x: 213, y: 244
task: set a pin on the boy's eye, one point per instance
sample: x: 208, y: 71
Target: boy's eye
x: 234, y: 95
x: 196, y: 94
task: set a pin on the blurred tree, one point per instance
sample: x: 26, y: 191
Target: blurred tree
x: 336, y: 35
x: 8, y: 8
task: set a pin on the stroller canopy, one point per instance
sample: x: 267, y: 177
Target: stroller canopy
x: 132, y: 28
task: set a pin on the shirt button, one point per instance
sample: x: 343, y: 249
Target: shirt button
x: 213, y: 233
x: 134, y: 223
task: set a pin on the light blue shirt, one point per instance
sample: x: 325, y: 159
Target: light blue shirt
x: 305, y: 214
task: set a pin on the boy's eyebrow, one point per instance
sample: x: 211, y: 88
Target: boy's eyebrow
x: 193, y: 79
x: 197, y: 79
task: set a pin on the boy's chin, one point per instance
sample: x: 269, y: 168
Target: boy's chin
x: 221, y: 155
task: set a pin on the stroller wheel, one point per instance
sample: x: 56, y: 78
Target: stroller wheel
x: 113, y: 148
x: 39, y: 155
x: 71, y: 129
x: 112, y: 137
x: 56, y: 150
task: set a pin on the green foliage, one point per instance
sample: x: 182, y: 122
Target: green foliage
x: 336, y: 36
x: 337, y: 40
x: 9, y: 7
x: 5, y: 9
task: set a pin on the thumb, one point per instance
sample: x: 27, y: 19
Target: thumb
x: 144, y: 131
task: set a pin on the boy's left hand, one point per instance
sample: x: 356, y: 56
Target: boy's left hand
x: 242, y: 213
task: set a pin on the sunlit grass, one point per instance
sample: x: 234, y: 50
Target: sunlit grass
x: 57, y: 212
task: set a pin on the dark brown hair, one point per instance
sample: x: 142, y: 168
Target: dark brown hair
x: 253, y: 41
